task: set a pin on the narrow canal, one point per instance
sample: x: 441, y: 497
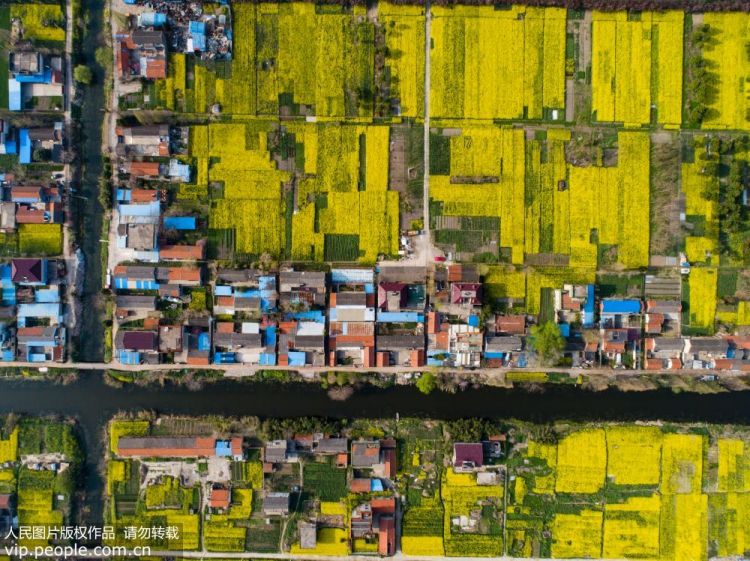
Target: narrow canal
x: 92, y: 402
x: 87, y: 209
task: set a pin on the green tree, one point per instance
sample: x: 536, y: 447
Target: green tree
x: 83, y: 74
x: 426, y: 383
x: 547, y: 341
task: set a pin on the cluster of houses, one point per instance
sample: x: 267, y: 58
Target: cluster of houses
x: 373, y: 466
x: 31, y: 310
x: 37, y: 144
x: 28, y: 204
x: 142, y: 49
x: 369, y: 465
x: 35, y: 81
x: 363, y: 318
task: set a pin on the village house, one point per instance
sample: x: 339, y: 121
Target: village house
x: 302, y: 290
x: 246, y: 343
x: 302, y: 343
x: 375, y: 520
x: 33, y: 75
x: 141, y: 54
x: 467, y: 456
x: 276, y: 504
x: 664, y: 353
x: 707, y: 352
x: 143, y: 140
x: 137, y: 347
x: 617, y: 313
x: 574, y: 304
x: 179, y: 447
x: 663, y: 316
x: 502, y: 350
x: 351, y: 315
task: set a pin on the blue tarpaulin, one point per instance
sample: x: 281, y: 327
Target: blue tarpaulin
x: 204, y: 342
x: 225, y: 358
x: 180, y: 222
x: 494, y: 355
x: 473, y: 321
x: 316, y: 316
x: 376, y: 486
x: 564, y: 329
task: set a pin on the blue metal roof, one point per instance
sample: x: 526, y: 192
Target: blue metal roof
x: 494, y: 355
x: 588, y: 308
x: 621, y: 306
x: 47, y: 295
x: 149, y: 209
x: 38, y: 78
x: 296, y: 358
x: 564, y: 329
x: 152, y: 19
x: 129, y: 357
x: 14, y: 95
x: 354, y: 276
x: 180, y: 222
x: 267, y: 359
x: 24, y: 155
x: 222, y: 290
x: 124, y: 195
x: 223, y: 448
x: 400, y: 317
x: 473, y: 321
x: 376, y: 485
x: 271, y: 336
x: 11, y: 147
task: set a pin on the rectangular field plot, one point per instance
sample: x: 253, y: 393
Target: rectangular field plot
x: 497, y: 64
x: 637, y: 62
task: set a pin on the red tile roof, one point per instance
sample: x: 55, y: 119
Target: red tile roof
x: 142, y: 169
x: 188, y: 274
x: 182, y: 252
x: 156, y: 68
x: 219, y: 498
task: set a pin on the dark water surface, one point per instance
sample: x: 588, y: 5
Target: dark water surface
x: 92, y: 402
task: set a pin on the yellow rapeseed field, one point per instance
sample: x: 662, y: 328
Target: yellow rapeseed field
x: 577, y: 535
x: 631, y: 529
x: 581, y: 462
x: 630, y: 72
x: 613, y: 201
x: 702, y: 282
x: 728, y: 59
x: 633, y: 455
x: 404, y: 37
x: 488, y: 64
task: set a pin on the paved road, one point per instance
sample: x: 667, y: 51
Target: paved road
x: 426, y: 164
x: 243, y: 370
x: 301, y: 557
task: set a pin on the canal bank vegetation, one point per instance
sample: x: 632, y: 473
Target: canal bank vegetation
x: 465, y: 487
